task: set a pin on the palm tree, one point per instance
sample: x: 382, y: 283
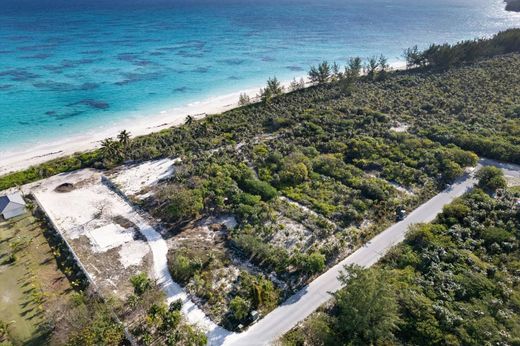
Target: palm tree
x: 124, y: 138
x: 110, y: 149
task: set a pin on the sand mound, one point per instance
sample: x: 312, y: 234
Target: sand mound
x: 65, y: 187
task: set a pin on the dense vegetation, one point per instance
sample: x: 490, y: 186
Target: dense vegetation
x: 311, y: 174
x: 475, y: 107
x: 452, y: 282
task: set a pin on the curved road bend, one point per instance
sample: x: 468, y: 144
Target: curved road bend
x: 306, y: 301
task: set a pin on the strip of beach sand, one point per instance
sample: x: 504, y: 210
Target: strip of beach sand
x: 21, y: 159
x: 17, y: 160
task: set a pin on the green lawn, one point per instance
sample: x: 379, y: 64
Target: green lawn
x: 31, y: 287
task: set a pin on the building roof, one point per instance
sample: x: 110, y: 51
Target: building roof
x: 12, y: 200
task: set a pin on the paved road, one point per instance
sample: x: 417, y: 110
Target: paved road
x: 306, y: 301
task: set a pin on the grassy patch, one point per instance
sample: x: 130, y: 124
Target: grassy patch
x: 31, y: 286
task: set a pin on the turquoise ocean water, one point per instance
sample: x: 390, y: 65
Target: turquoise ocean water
x: 69, y: 67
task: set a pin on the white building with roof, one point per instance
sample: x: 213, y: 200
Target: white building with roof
x: 12, y: 205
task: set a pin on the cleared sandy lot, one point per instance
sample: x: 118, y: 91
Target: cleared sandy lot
x: 102, y: 228
x: 135, y: 180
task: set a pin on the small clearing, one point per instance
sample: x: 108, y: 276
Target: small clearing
x: 400, y: 128
x: 134, y: 180
x: 102, y: 228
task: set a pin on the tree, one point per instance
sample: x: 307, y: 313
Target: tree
x: 371, y: 67
x: 141, y: 283
x: 491, y: 179
x: 244, y: 99
x: 383, y: 67
x: 239, y: 307
x: 320, y: 74
x: 367, y: 307
x: 351, y: 75
x: 259, y: 188
x: 184, y: 203
x: 414, y: 58
x: 354, y: 66
x: 182, y: 268
x: 4, y: 331
x: 297, y: 85
x: 294, y: 173
x: 336, y: 74
x: 383, y: 63
x: 314, y: 263
x: 111, y: 150
x: 272, y: 90
x: 124, y: 138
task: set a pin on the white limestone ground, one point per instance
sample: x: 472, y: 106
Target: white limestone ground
x: 400, y: 128
x: 92, y: 211
x: 292, y: 235
x: 133, y: 180
x: 86, y: 217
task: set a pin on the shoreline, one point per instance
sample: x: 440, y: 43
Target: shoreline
x: 146, y: 124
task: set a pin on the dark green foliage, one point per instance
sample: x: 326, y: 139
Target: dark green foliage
x: 366, y: 308
x: 50, y: 168
x: 472, y: 107
x: 184, y: 204
x: 239, y: 307
x: 259, y: 188
x: 454, y: 282
x: 320, y: 74
x: 102, y: 330
x: 90, y: 322
x: 313, y: 263
x: 184, y: 264
x: 141, y: 283
x: 445, y: 55
x: 491, y: 179
x: 272, y: 90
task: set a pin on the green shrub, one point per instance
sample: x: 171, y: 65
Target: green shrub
x: 259, y: 188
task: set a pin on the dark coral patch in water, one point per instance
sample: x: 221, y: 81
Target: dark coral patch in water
x: 60, y: 86
x: 232, y: 61
x: 19, y: 75
x: 201, y: 69
x: 91, y: 103
x: 188, y: 54
x: 61, y: 116
x: 92, y: 52
x: 294, y: 68
x: 66, y: 64
x: 194, y: 44
x: 182, y: 89
x: 268, y: 58
x: 133, y: 77
x: 68, y: 115
x: 41, y: 56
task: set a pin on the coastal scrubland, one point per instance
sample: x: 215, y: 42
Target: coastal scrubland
x: 311, y: 175
x: 453, y: 281
x: 300, y: 180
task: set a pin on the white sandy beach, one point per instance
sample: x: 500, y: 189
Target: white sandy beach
x: 18, y: 160
x: 21, y: 159
x: 148, y: 123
